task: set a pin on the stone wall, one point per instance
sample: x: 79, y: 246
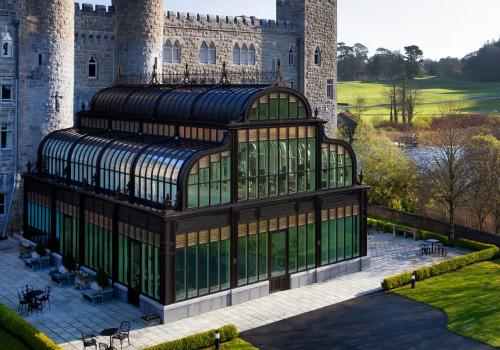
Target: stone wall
x: 95, y: 31
x: 434, y: 225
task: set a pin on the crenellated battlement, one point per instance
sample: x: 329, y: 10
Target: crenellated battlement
x: 251, y: 22
x: 98, y: 11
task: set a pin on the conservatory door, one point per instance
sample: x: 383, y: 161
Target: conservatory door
x: 278, y: 264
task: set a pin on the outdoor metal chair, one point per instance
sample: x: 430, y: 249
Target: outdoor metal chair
x: 22, y: 302
x: 27, y: 288
x: 88, y: 340
x: 35, y: 304
x: 46, y: 296
x: 123, y: 333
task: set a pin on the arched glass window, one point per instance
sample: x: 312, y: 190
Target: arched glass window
x: 251, y: 55
x: 6, y: 44
x: 317, y: 57
x: 203, y: 53
x: 167, y: 52
x: 243, y: 54
x: 211, y: 53
x: 92, y: 68
x: 291, y: 56
x: 176, y: 56
x: 236, y: 54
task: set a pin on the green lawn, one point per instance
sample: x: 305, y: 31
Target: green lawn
x: 235, y: 344
x: 433, y: 89
x: 8, y: 342
x: 470, y: 298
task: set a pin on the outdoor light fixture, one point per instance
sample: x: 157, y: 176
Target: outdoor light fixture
x: 217, y: 340
x: 413, y: 279
x: 361, y: 176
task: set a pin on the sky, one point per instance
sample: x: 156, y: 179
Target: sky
x: 441, y: 28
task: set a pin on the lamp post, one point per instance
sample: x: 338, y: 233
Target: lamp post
x: 217, y: 340
x: 413, y: 279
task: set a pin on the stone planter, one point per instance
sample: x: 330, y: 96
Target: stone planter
x: 24, y: 250
x: 80, y: 281
x: 151, y: 322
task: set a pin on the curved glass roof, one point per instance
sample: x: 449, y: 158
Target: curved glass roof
x: 212, y: 103
x: 145, y: 166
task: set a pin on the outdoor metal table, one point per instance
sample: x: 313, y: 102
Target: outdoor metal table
x: 32, y: 304
x: 109, y: 332
x: 432, y: 241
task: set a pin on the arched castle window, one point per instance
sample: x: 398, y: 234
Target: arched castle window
x: 251, y: 55
x: 236, y: 54
x: 203, y: 53
x: 291, y: 56
x: 92, y: 68
x: 211, y: 53
x: 167, y: 52
x: 176, y: 54
x: 243, y: 54
x: 6, y: 44
x: 317, y: 57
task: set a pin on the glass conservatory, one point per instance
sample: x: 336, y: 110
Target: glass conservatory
x: 183, y: 191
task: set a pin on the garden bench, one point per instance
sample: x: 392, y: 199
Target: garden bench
x: 407, y: 232
x: 94, y: 294
x: 34, y: 262
x: 62, y: 277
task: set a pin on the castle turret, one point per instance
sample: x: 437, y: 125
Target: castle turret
x: 317, y: 26
x: 139, y: 35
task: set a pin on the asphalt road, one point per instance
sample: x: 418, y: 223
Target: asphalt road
x: 374, y: 321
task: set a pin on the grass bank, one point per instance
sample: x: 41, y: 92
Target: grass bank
x: 9, y: 342
x: 469, y: 297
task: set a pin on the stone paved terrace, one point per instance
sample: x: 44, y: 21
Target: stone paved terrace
x: 70, y: 313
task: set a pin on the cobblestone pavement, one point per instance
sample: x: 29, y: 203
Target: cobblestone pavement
x: 69, y: 313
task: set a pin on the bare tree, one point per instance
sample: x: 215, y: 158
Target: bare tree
x: 360, y: 101
x: 390, y: 96
x: 412, y: 99
x: 446, y: 171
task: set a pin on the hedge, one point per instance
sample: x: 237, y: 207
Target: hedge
x: 488, y: 252
x: 432, y: 235
x: 388, y: 226
x: 16, y: 325
x: 199, y: 340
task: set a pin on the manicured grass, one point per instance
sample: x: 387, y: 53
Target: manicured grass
x: 433, y: 89
x: 235, y: 344
x: 469, y: 297
x: 9, y: 342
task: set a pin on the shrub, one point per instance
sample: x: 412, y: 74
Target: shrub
x: 69, y: 262
x: 472, y: 245
x: 389, y: 227
x: 12, y: 322
x: 40, y: 249
x: 432, y: 235
x: 446, y: 266
x: 197, y: 341
x: 102, y: 278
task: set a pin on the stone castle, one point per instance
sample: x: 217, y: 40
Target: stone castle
x: 56, y: 54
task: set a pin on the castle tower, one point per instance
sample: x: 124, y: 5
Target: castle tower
x: 317, y: 25
x: 46, y: 77
x: 139, y: 35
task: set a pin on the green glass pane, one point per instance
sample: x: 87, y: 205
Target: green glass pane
x: 252, y: 258
x: 204, y: 175
x: 242, y: 159
x: 348, y: 176
x: 292, y: 183
x: 278, y: 254
x: 254, y: 113
x: 192, y: 267
x: 283, y: 106
x: 214, y: 267
x: 333, y: 177
x: 292, y: 113
x: 226, y: 168
x: 157, y: 273
x: 252, y: 158
x: 340, y: 239
x: 87, y: 244
x: 311, y: 246
x: 263, y: 187
x: 333, y: 240
x: 126, y: 269
x: 273, y: 106
x: 215, y: 171
x: 324, y: 242
x: 106, y: 251
x: 273, y: 185
x: 311, y: 180
x: 348, y: 237
x: 356, y: 235
x: 192, y: 196
x: 60, y: 231
x: 242, y: 189
x: 135, y: 259
x: 263, y: 256
x: 292, y: 249
x: 151, y: 276
x: 193, y: 179
x: 225, y: 266
x: 215, y: 193
x: 324, y: 179
x: 75, y: 237
x: 204, y: 195
x: 263, y: 111
x: 263, y: 158
x: 311, y: 154
x: 333, y: 159
x: 242, y: 261
x: 144, y: 268
x: 302, y: 110
x: 302, y: 247
x: 226, y: 192
x: 203, y: 268
x: 252, y: 188
x: 292, y: 155
x: 120, y: 258
x: 180, y: 274
x: 273, y: 157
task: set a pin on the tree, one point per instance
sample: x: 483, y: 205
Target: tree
x: 390, y: 95
x: 485, y: 157
x: 351, y: 61
x: 410, y: 98
x: 360, y: 102
x: 390, y: 173
x: 413, y: 60
x: 445, y: 172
